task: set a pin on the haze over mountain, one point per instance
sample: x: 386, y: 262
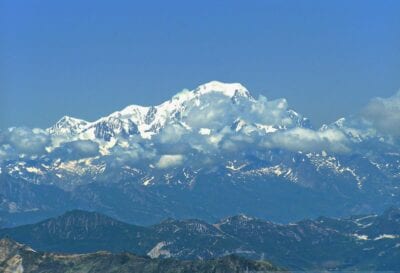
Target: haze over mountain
x: 176, y: 159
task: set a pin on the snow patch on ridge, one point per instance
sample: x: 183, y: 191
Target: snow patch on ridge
x: 386, y: 236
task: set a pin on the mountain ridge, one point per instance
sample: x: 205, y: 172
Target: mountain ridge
x: 18, y: 258
x: 145, y: 115
x: 320, y: 244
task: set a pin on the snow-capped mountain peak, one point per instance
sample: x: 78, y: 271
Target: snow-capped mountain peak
x: 133, y: 112
x: 215, y: 105
x: 227, y: 89
x: 148, y: 120
x: 67, y: 126
x: 340, y: 122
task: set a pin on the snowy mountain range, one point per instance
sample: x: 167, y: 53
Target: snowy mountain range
x: 142, y: 164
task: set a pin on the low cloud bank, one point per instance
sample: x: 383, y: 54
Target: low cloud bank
x: 210, y: 128
x: 22, y: 141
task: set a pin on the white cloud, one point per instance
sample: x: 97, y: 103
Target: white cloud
x: 133, y: 152
x: 7, y: 152
x: 384, y: 114
x: 26, y: 141
x: 85, y: 146
x: 306, y: 140
x: 204, y: 131
x: 210, y: 121
x: 171, y: 133
x: 270, y: 112
x: 167, y: 161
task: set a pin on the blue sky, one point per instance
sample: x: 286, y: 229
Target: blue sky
x: 89, y: 58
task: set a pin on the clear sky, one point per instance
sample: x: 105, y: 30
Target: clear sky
x: 89, y: 58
